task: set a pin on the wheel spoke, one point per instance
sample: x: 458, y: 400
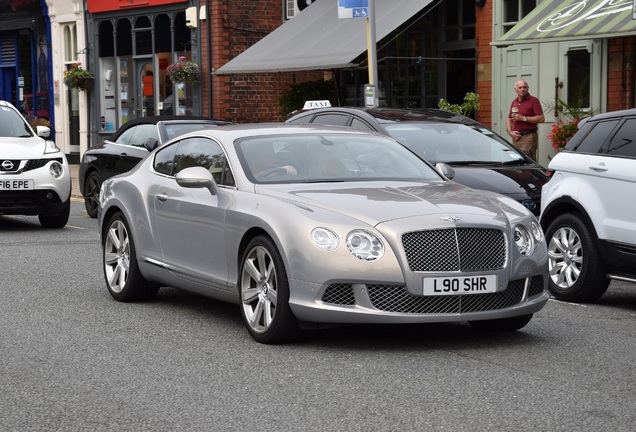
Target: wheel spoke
x: 249, y: 295
x: 261, y: 257
x: 251, y: 270
x: 256, y: 315
x: 268, y: 313
x: 112, y: 281
x: 110, y: 258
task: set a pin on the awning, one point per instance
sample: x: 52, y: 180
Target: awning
x: 316, y: 39
x: 564, y: 20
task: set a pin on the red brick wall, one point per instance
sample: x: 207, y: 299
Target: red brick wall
x: 237, y: 25
x: 620, y: 74
x: 483, y: 37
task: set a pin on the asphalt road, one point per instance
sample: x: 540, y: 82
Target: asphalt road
x: 73, y: 359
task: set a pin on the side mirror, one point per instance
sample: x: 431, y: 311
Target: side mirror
x: 43, y: 131
x: 151, y: 144
x: 197, y: 177
x: 445, y: 170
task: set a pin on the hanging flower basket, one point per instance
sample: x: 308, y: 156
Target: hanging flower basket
x: 561, y: 133
x: 79, y: 78
x: 184, y: 71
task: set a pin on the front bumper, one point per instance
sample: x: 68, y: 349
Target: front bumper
x: 374, y: 304
x: 49, y: 195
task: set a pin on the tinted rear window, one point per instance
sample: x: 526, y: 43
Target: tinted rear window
x: 623, y: 142
x: 593, y: 140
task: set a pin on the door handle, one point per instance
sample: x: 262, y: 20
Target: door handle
x: 598, y: 168
x: 162, y: 197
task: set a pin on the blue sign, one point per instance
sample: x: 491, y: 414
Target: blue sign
x: 353, y: 8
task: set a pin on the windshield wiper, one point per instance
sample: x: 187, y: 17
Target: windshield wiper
x: 466, y: 163
x: 515, y: 162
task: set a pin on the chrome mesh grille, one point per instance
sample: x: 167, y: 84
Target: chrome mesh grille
x: 390, y: 298
x: 460, y: 249
x: 536, y: 286
x: 339, y: 294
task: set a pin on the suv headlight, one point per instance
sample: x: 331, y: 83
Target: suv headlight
x: 51, y: 147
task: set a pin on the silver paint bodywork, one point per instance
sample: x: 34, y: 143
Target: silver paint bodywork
x: 192, y: 239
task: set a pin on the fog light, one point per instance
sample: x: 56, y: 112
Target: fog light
x: 56, y: 169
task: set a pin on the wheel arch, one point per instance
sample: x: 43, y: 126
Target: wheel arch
x: 82, y: 178
x: 563, y: 205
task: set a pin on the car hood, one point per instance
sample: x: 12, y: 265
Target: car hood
x: 517, y: 182
x: 377, y: 202
x: 21, y: 148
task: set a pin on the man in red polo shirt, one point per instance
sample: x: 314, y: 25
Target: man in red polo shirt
x: 524, y: 116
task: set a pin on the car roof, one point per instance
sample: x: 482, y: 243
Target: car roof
x: 392, y: 115
x: 235, y: 131
x: 607, y: 115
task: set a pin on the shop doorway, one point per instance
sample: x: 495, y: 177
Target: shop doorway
x: 145, y: 84
x: 7, y: 84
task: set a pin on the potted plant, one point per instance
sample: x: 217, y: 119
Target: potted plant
x: 78, y: 77
x: 561, y: 133
x: 184, y: 70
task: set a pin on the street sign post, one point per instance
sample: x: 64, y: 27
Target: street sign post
x: 364, y: 9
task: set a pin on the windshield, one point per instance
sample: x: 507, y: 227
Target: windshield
x: 179, y: 128
x: 12, y: 124
x: 454, y: 143
x: 329, y: 157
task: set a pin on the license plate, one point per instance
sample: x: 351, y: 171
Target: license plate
x: 16, y: 184
x: 440, y: 286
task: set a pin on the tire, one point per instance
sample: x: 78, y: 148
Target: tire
x: 92, y: 187
x: 121, y: 270
x: 504, y: 324
x: 264, y: 294
x: 56, y: 221
x: 576, y: 271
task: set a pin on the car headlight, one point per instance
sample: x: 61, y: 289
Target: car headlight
x: 51, y: 147
x: 56, y: 169
x: 324, y: 238
x: 523, y: 240
x: 365, y: 246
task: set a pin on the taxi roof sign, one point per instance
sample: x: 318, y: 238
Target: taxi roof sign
x: 316, y: 104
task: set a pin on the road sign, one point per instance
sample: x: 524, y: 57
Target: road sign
x: 353, y: 9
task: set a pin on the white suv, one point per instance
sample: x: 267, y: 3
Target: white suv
x: 588, y: 208
x: 34, y: 173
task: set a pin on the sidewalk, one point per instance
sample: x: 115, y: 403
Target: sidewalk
x: 75, y: 191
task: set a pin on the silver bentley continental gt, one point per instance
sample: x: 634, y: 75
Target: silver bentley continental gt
x: 310, y: 225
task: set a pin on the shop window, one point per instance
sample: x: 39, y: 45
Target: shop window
x: 515, y: 10
x: 70, y: 43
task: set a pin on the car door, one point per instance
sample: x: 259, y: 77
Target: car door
x: 128, y: 149
x: 190, y: 222
x: 614, y: 171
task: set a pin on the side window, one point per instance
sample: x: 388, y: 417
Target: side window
x: 360, y: 125
x: 142, y: 133
x: 164, y: 160
x: 622, y: 143
x: 205, y: 153
x: 593, y: 141
x: 124, y: 138
x: 332, y: 119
